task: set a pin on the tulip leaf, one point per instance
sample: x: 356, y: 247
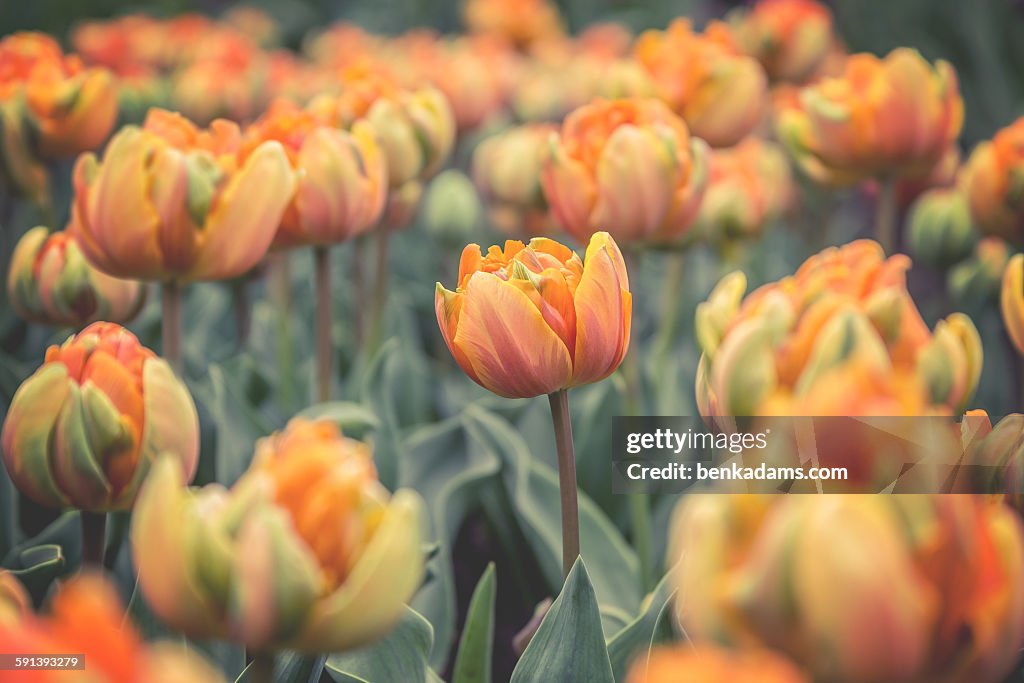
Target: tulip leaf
x: 473, y: 662
x: 569, y: 646
x: 292, y: 667
x: 37, y: 567
x: 353, y: 419
x: 652, y: 626
x: 401, y: 656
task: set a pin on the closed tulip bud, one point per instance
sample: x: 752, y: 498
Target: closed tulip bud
x: 856, y: 589
x: 891, y: 117
x: 307, y: 551
x: 719, y: 92
x: 626, y: 166
x: 994, y: 182
x: 417, y: 132
x: 1011, y: 301
x: 451, y: 208
x: 993, y: 457
x: 940, y: 232
x: 85, y: 428
x: 15, y: 603
x: 533, y: 319
x: 69, y: 108
x: 709, y: 664
x: 50, y: 282
x: 87, y: 620
x: 172, y: 202
x: 791, y: 38
x: 977, y: 280
x: 951, y: 362
x: 507, y: 171
x: 341, y: 176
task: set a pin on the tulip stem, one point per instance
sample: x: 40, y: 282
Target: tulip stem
x: 359, y: 286
x: 94, y: 530
x: 380, y: 288
x: 243, y: 318
x: 170, y: 299
x: 672, y: 284
x: 885, y: 215
x: 262, y: 668
x: 322, y: 268
x: 559, y: 401
x: 279, y: 285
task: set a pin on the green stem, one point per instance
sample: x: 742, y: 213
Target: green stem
x: 170, y: 299
x: 559, y: 401
x: 322, y: 269
x: 94, y: 530
x: 243, y: 318
x: 640, y: 521
x: 262, y: 668
x: 280, y: 292
x: 380, y: 288
x: 885, y: 215
x: 672, y: 285
x: 359, y: 286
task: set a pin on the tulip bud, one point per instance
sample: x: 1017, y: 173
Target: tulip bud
x: 507, y: 171
x: 976, y: 281
x: 171, y: 201
x: 715, y: 314
x: 83, y: 430
x: 451, y: 208
x: 50, y: 282
x: 626, y: 166
x: 951, y: 362
x: 994, y: 458
x: 709, y: 664
x: 14, y: 601
x: 307, y: 551
x: 532, y: 319
x: 994, y: 183
x: 1011, y: 301
x: 791, y: 38
x: 940, y: 232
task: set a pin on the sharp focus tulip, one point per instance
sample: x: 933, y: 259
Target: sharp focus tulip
x: 890, y: 117
x: 307, y: 551
x: 708, y: 664
x: 857, y: 589
x: 14, y: 600
x: 50, y: 282
x: 342, y: 175
x: 791, y: 38
x: 84, y: 430
x: 172, y: 202
x: 87, y: 618
x: 940, y: 232
x: 533, y: 319
x: 994, y: 179
x: 507, y: 171
x: 626, y: 166
x: 719, y: 92
x: 1011, y: 301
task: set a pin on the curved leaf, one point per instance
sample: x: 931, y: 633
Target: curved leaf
x: 401, y: 656
x: 473, y: 662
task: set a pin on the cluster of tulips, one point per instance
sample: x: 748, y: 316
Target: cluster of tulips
x: 204, y: 152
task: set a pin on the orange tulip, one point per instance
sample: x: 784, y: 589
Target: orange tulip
x: 170, y: 201
x: 719, y: 92
x: 791, y: 38
x: 890, y: 117
x: 994, y: 178
x: 521, y: 22
x: 1011, y: 301
x: 533, y: 319
x: 626, y: 166
x: 706, y: 664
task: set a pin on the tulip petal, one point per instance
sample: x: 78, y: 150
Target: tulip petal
x: 603, y: 312
x: 570, y: 190
x: 1011, y: 301
x: 448, y: 308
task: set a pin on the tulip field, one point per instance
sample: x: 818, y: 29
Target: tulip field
x: 512, y: 340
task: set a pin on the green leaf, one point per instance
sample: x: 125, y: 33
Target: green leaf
x: 37, y: 567
x: 401, y: 656
x: 473, y: 662
x: 569, y: 646
x: 355, y: 420
x: 292, y: 667
x: 8, y: 513
x: 652, y: 626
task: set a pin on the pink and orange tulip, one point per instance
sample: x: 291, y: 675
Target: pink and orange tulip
x: 994, y: 180
x: 791, y: 38
x: 534, y: 319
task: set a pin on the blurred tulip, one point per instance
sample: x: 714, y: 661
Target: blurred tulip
x: 88, y: 619
x: 15, y: 603
x: 83, y: 430
x: 223, y: 78
x: 993, y: 457
x: 626, y: 166
x: 533, y: 319
x: 21, y: 172
x: 944, y: 175
x: 521, y: 22
x: 791, y: 38
x: 940, y: 230
x: 507, y: 171
x: 50, y: 282
x: 307, y: 551
x: 1011, y: 301
x: 994, y: 179
x: 750, y: 185
x: 170, y: 201
x: 857, y: 589
x: 840, y: 337
x: 882, y: 118
x: 341, y: 176
x: 69, y: 108
x: 254, y: 22
x: 451, y: 208
x: 707, y: 664
x: 719, y: 92
x: 976, y: 281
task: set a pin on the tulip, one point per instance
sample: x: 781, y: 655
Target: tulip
x: 941, y: 233
x: 50, y: 282
x: 15, y: 603
x: 993, y: 459
x: 791, y: 38
x: 307, y: 551
x: 856, y: 589
x: 719, y: 92
x: 1011, y: 301
x: 882, y: 118
x: 21, y: 173
x: 521, y: 22
x: 87, y: 620
x: 708, y: 664
x: 993, y: 179
x: 977, y: 279
x: 507, y: 172
x: 627, y: 166
x: 83, y: 430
